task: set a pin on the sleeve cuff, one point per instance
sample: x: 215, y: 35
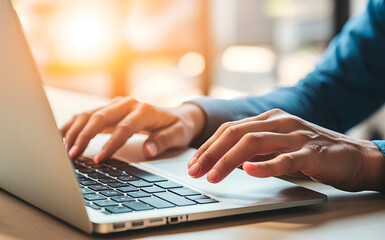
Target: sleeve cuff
x: 217, y: 113
x: 380, y: 144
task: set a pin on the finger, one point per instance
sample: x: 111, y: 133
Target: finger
x: 250, y: 145
x: 98, y: 120
x: 131, y: 124
x: 166, y: 138
x: 229, y: 138
x: 67, y: 126
x: 260, y: 118
x: 79, y: 122
x: 283, y: 164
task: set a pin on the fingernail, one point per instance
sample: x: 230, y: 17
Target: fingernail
x: 212, y: 176
x: 73, y: 151
x: 194, y: 170
x: 192, y: 162
x: 98, y: 158
x: 151, y: 148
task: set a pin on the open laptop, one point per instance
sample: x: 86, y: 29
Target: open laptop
x: 113, y: 196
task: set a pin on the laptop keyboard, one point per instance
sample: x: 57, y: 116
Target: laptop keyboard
x: 114, y: 187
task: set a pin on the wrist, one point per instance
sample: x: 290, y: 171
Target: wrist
x: 194, y: 117
x: 373, y: 167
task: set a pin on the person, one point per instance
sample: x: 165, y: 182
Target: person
x: 296, y: 130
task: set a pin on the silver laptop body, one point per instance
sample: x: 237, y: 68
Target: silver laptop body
x: 35, y: 167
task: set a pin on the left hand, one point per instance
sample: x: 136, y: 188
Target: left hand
x: 284, y: 144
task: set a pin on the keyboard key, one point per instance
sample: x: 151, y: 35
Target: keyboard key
x: 118, y: 184
x: 140, y: 183
x: 149, y: 177
x: 184, y: 191
x: 112, y: 172
x: 128, y: 189
x: 86, y: 191
x: 93, y: 206
x: 99, y: 188
x: 96, y: 175
x: 153, y: 189
x: 88, y: 182
x: 114, y: 162
x: 93, y: 197
x: 127, y: 178
x: 118, y: 209
x: 206, y: 200
x: 138, y: 194
x: 175, y: 199
x: 106, y: 203
x: 202, y: 199
x: 200, y: 196
x: 138, y: 206
x: 123, y: 199
x: 111, y: 193
x: 156, y: 202
x: 107, y: 180
x: 168, y: 184
x: 85, y: 170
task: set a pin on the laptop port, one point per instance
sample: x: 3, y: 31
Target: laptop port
x: 176, y: 219
x: 119, y: 225
x: 137, y: 224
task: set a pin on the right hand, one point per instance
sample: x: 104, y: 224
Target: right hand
x: 123, y: 117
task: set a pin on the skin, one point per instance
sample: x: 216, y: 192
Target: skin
x: 123, y: 117
x: 274, y: 143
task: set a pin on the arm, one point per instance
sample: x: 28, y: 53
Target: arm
x: 345, y: 88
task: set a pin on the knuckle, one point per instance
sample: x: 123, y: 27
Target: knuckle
x: 288, y: 161
x: 225, y: 125
x: 226, y: 163
x: 124, y: 126
x: 145, y: 107
x: 231, y: 131
x: 128, y: 101
x: 99, y: 116
x: 302, y: 136
x: 208, y: 157
x: 252, y: 138
x: 84, y: 115
x: 276, y: 111
x: 162, y: 138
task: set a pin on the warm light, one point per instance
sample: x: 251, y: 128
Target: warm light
x: 85, y: 33
x: 296, y: 66
x: 192, y: 64
x: 248, y: 59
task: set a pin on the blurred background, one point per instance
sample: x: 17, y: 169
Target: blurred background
x: 167, y: 51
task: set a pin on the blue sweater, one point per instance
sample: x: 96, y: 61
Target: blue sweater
x: 347, y: 85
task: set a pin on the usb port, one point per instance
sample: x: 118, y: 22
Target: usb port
x: 137, y: 224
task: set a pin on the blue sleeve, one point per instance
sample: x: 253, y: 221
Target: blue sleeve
x: 347, y: 85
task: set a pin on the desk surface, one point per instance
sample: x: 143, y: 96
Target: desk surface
x: 344, y: 216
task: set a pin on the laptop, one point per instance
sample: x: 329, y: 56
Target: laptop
x: 117, y: 195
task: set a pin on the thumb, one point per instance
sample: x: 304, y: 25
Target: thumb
x: 161, y: 140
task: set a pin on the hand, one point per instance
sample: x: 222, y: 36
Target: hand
x: 276, y: 143
x: 123, y: 117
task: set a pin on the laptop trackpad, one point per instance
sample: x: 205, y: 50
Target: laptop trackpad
x: 238, y: 187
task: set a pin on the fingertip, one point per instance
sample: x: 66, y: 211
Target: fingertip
x: 150, y: 149
x: 192, y: 162
x: 195, y: 170
x: 74, y: 151
x: 213, y: 176
x: 100, y: 156
x: 254, y: 169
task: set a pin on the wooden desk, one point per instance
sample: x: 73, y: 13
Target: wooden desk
x: 344, y: 216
